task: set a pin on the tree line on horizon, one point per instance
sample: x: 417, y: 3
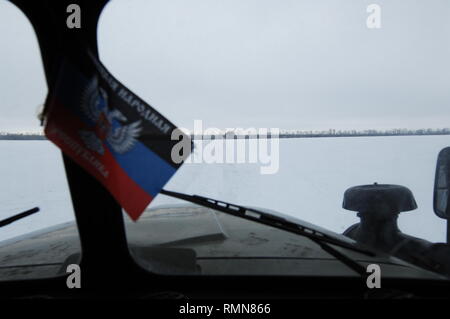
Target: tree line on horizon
x: 283, y: 133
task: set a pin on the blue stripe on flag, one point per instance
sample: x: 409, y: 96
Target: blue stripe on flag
x: 145, y: 167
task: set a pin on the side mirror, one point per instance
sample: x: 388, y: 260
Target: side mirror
x: 442, y: 185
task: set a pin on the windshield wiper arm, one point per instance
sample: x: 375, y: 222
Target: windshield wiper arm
x: 319, y: 238
x: 14, y: 218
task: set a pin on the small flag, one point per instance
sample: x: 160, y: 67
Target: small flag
x: 112, y: 133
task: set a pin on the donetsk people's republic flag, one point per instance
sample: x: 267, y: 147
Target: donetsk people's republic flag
x: 114, y: 135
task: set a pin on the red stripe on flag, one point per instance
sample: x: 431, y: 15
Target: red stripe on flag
x: 63, y: 129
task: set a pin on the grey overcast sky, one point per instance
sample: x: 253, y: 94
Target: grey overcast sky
x: 292, y: 64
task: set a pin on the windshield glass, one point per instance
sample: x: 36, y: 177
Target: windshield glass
x: 357, y: 92
x: 31, y: 169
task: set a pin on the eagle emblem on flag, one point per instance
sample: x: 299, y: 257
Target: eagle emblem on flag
x: 110, y: 125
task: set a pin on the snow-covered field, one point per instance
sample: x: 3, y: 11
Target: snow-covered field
x: 313, y: 175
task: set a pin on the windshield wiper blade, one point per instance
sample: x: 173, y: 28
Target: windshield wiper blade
x: 14, y: 218
x: 323, y: 240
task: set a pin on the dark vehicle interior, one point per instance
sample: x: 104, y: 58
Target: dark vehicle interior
x: 108, y: 269
x: 378, y: 207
